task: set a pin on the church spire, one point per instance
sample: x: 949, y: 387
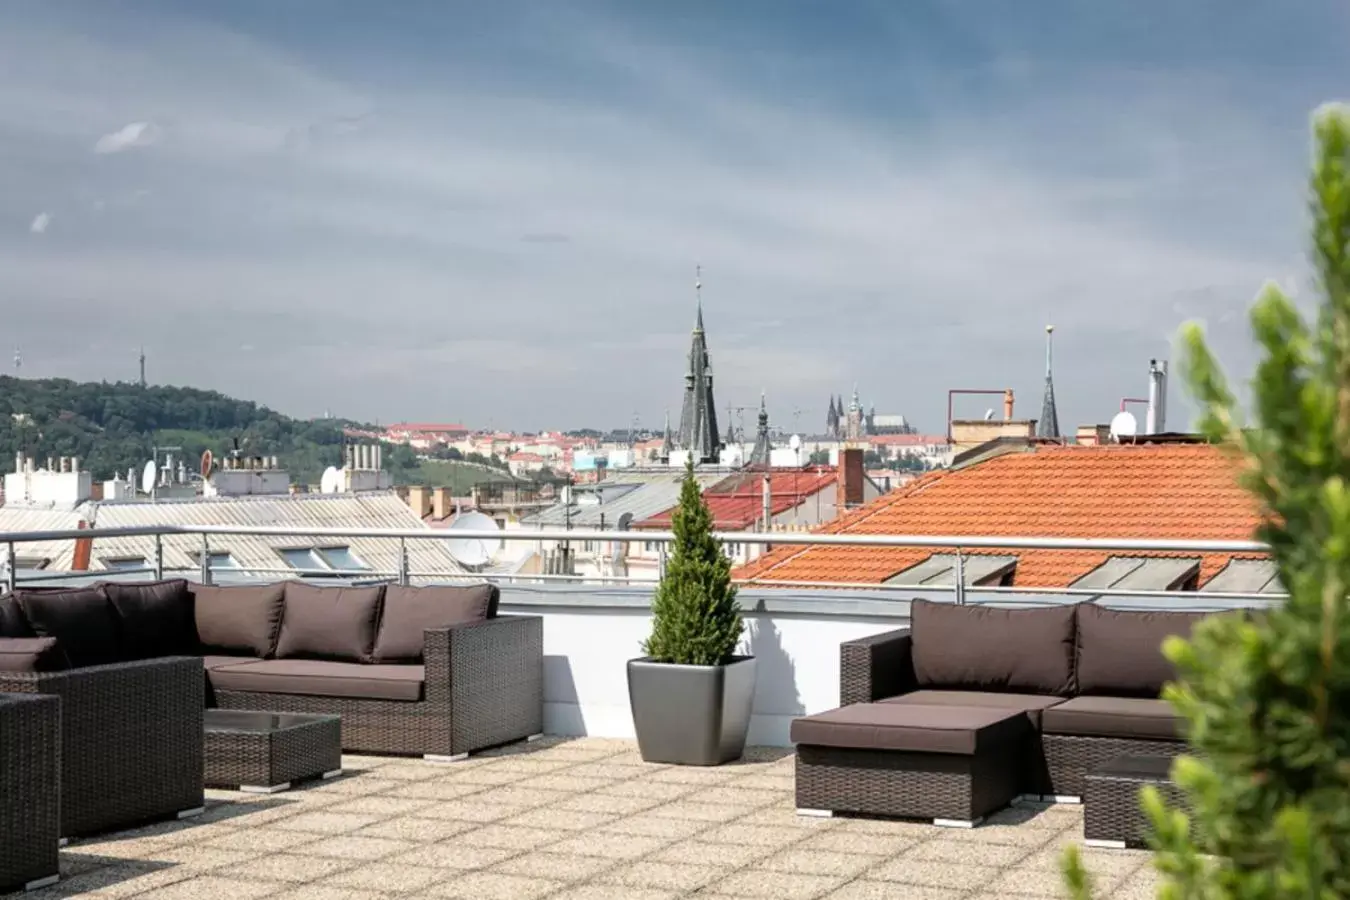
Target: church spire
x: 698, y: 417
x: 1048, y: 424
x: 760, y: 455
x: 668, y: 444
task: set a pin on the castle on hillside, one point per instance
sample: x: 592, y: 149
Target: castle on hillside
x: 852, y: 423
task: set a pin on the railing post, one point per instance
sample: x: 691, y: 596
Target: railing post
x: 403, y: 578
x: 960, y: 577
x: 159, y: 557
x: 11, y: 568
x: 661, y: 560
x: 206, y: 559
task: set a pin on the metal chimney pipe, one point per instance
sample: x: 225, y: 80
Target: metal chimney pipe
x: 1008, y: 405
x: 1162, y: 397
x: 1154, y: 420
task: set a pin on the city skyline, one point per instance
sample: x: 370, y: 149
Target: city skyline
x: 494, y: 214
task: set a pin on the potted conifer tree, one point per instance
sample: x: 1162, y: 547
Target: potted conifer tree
x: 691, y: 694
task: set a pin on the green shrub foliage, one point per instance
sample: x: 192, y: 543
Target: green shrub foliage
x: 697, y: 618
x: 1266, y: 697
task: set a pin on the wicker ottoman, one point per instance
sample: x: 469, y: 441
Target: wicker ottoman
x: 1112, y: 816
x: 952, y: 765
x: 261, y: 752
x: 30, y: 790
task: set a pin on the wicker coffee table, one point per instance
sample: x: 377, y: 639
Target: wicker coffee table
x: 262, y: 752
x: 1112, y: 816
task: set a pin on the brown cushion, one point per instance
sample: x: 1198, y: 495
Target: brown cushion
x: 984, y: 648
x: 82, y: 619
x: 1120, y: 651
x: 959, y: 730
x: 409, y: 611
x: 12, y: 622
x: 1114, y: 717
x: 329, y: 622
x: 240, y: 619
x: 31, y: 655
x: 322, y: 678
x: 156, y: 617
x: 1031, y: 704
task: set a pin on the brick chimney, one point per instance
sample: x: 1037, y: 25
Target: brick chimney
x: 442, y: 506
x: 849, y: 485
x: 84, y: 550
x: 419, y: 498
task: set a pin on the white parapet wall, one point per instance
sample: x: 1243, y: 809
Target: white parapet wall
x: 587, y: 647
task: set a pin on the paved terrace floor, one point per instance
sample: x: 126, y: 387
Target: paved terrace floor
x: 575, y: 820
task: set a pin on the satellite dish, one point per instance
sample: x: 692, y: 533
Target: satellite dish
x: 148, y: 475
x: 988, y: 415
x: 473, y: 551
x: 208, y: 460
x: 795, y: 442
x: 328, y: 484
x: 1123, y: 425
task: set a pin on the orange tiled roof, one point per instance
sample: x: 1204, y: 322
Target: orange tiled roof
x: 737, y: 502
x: 1158, y: 491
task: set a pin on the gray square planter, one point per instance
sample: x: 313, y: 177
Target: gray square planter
x: 691, y: 715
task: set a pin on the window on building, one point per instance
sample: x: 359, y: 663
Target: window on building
x: 123, y: 563
x: 220, y: 559
x: 649, y: 546
x: 341, y: 558
x: 939, y: 570
x: 303, y: 558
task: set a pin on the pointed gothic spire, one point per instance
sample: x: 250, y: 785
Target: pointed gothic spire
x: 1048, y: 424
x: 760, y: 455
x: 698, y: 417
x: 668, y: 444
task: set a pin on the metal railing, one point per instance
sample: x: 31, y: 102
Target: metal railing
x: 959, y: 546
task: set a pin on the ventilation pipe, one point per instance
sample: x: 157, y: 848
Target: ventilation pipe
x: 1007, y: 405
x: 1155, y: 421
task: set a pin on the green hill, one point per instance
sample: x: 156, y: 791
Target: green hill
x: 114, y: 427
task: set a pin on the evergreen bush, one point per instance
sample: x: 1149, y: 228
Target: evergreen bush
x: 697, y: 620
x: 1266, y: 697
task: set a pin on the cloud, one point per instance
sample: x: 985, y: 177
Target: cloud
x: 374, y: 226
x: 136, y: 134
x: 40, y: 223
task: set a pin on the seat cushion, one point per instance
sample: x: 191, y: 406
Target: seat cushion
x: 321, y: 678
x: 1137, y: 718
x: 956, y: 730
x: 1120, y: 651
x: 1031, y: 704
x: 239, y: 620
x: 156, y: 617
x: 12, y: 622
x: 336, y: 623
x: 82, y: 620
x: 984, y: 648
x: 31, y: 655
x: 409, y: 611
x: 215, y: 662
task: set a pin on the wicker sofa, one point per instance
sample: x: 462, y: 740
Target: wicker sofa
x: 972, y: 706
x: 422, y: 671
x: 30, y: 790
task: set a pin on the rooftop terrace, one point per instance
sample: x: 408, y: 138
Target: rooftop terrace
x: 579, y: 819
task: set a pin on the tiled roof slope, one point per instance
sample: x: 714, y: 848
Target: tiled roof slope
x: 1178, y: 492
x: 737, y: 502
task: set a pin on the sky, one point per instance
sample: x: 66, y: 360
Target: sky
x: 492, y: 213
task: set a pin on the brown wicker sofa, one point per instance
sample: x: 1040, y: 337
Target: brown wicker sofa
x: 972, y: 706
x: 427, y: 671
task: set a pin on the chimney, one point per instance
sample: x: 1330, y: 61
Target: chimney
x: 441, y: 505
x: 84, y: 550
x: 849, y: 483
x: 419, y: 498
x: 1155, y: 421
x: 74, y: 464
x: 1007, y: 405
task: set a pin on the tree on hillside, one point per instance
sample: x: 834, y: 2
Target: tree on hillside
x: 1266, y: 697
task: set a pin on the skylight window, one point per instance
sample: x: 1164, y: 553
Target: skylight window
x: 303, y: 558
x: 124, y: 563
x: 341, y: 558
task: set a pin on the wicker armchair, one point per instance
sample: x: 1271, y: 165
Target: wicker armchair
x: 30, y: 790
x: 131, y: 740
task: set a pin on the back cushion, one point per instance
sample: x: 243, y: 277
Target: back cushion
x: 409, y: 611
x: 983, y: 648
x: 82, y: 620
x: 329, y: 622
x: 12, y: 622
x: 239, y: 620
x: 31, y: 655
x: 1120, y: 651
x: 156, y: 617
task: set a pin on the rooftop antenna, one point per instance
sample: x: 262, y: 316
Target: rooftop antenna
x: 698, y: 295
x: 142, y: 365
x: 18, y: 360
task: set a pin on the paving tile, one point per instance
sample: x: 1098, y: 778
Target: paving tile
x: 767, y: 781
x: 697, y: 852
x: 656, y: 826
x: 526, y: 798
x: 838, y: 841
x: 1038, y: 883
x: 735, y: 796
x: 558, y: 866
x: 419, y: 771
x: 967, y: 853
x: 1115, y: 862
x: 1141, y: 885
x: 326, y: 822
x: 645, y: 787
x: 755, y: 835
x: 261, y: 840
x: 202, y: 859
x: 819, y: 862
x: 935, y: 874
x: 510, y: 836
x: 890, y: 890
x: 563, y: 819
x: 562, y: 781
x: 437, y: 790
x: 698, y: 812
x: 609, y: 892
x: 697, y: 776
x: 606, y: 803
x: 662, y: 876
x: 787, y: 817
x: 484, y: 775
x: 324, y: 892
x: 922, y: 830
x: 454, y: 854
x: 294, y: 867
x: 411, y: 828
x: 611, y: 768
x: 356, y: 783
x: 364, y: 849
x: 113, y: 881
x: 610, y: 846
x: 209, y: 887
x: 378, y: 806
x: 494, y: 886
x: 469, y: 811
x: 400, y: 878
x: 777, y: 885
